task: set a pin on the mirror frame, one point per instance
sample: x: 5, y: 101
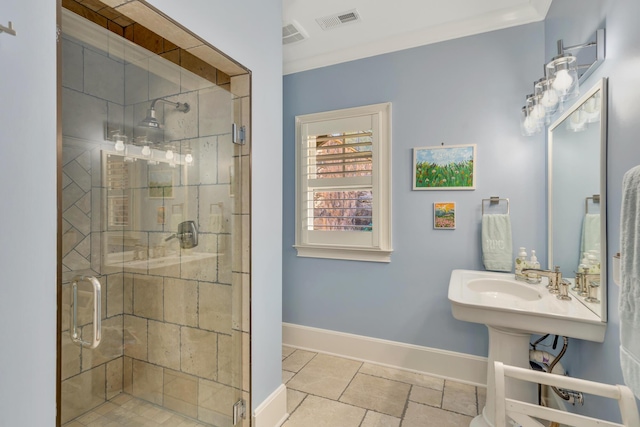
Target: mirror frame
x: 600, y: 86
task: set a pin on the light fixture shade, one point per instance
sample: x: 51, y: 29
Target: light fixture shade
x: 591, y: 108
x: 119, y: 145
x: 577, y: 121
x: 528, y: 125
x: 537, y: 111
x: 549, y: 99
x: 563, y: 71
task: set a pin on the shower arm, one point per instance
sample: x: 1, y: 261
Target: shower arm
x: 184, y: 107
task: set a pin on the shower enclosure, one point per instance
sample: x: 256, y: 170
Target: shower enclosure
x: 153, y: 295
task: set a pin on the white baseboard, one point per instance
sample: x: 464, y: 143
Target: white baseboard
x: 459, y: 367
x: 272, y: 412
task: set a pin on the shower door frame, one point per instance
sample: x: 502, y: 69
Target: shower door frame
x: 238, y: 71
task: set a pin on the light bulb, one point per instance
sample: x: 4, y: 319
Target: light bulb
x: 563, y: 81
x: 538, y: 112
x: 549, y: 99
x: 591, y: 110
x: 188, y: 158
x: 119, y: 145
x: 146, y: 150
x: 590, y: 105
x: 577, y: 122
x: 169, y: 154
x: 529, y: 124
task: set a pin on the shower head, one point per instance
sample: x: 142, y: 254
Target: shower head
x: 151, y: 122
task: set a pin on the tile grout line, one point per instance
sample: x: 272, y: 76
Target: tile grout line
x: 367, y: 410
x: 350, y: 381
x: 406, y: 404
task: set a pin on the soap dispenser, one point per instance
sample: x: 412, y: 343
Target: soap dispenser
x: 521, y: 261
x: 533, y: 277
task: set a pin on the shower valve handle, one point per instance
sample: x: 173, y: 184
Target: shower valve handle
x: 187, y: 235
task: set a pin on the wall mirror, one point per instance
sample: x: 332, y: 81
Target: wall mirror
x: 576, y: 186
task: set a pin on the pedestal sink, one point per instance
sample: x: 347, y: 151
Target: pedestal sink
x: 512, y: 311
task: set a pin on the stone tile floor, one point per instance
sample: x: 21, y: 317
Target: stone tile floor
x: 126, y: 410
x: 330, y: 391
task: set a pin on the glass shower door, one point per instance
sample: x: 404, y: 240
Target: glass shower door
x: 154, y: 237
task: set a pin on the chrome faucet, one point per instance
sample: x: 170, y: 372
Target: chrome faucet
x: 555, y: 277
x: 584, y: 278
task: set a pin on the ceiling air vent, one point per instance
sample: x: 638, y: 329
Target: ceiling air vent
x: 292, y: 33
x: 339, y: 19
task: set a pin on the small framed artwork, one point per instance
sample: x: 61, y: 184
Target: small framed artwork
x: 161, y: 184
x: 444, y: 215
x: 444, y: 167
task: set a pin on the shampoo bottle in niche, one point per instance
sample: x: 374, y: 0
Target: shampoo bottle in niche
x: 521, y: 260
x: 533, y: 263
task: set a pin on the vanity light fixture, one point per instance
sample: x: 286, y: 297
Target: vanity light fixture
x: 563, y: 71
x: 561, y: 83
x: 528, y: 125
x: 548, y: 97
x: 538, y: 112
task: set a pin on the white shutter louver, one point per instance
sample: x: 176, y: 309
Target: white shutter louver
x: 339, y: 182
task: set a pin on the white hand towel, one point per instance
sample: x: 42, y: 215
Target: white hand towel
x: 497, y: 253
x: 629, y: 302
x: 590, y: 233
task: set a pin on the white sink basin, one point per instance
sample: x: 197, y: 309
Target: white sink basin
x: 498, y: 300
x: 504, y: 289
x: 512, y: 311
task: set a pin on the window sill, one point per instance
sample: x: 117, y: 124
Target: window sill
x: 344, y: 253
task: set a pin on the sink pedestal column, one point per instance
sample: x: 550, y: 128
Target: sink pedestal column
x: 510, y: 348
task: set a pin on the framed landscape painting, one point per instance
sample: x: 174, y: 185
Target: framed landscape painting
x: 161, y: 184
x: 444, y: 167
x: 444, y: 216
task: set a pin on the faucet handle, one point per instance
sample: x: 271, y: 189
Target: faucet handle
x: 564, y: 290
x: 577, y: 281
x: 554, y: 281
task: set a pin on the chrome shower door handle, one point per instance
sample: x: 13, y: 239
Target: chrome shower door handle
x: 97, y: 315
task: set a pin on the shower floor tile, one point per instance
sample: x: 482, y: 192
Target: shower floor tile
x: 125, y: 410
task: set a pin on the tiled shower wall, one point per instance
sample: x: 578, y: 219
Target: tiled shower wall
x: 170, y: 335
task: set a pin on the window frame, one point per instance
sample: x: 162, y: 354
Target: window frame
x: 379, y: 249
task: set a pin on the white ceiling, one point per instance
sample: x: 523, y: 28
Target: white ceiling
x: 386, y: 26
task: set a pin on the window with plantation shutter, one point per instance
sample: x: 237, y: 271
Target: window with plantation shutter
x: 343, y: 184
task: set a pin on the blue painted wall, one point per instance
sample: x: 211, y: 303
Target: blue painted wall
x: 574, y: 21
x: 28, y: 194
x: 464, y: 91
